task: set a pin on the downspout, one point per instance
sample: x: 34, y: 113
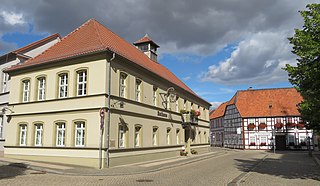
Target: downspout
x: 109, y: 106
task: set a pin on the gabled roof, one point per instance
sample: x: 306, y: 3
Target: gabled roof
x: 275, y: 102
x: 31, y: 46
x: 145, y: 39
x: 94, y: 37
x: 268, y: 102
x: 40, y: 42
x: 219, y: 112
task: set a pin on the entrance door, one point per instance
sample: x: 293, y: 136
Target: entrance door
x: 281, y: 142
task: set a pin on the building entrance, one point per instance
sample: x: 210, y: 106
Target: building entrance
x: 281, y: 142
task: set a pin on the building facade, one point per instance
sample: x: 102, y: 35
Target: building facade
x: 217, y: 126
x: 15, y: 57
x: 93, y: 82
x: 262, y: 119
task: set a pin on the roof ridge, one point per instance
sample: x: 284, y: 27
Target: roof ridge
x: 65, y: 37
x: 36, y: 42
x: 97, y: 31
x: 266, y: 89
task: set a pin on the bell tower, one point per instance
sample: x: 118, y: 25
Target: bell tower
x: 148, y: 47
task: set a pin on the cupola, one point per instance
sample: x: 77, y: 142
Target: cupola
x: 148, y: 47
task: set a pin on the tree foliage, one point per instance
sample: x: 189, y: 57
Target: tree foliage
x: 306, y: 75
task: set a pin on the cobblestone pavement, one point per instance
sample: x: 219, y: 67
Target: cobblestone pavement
x: 284, y: 168
x: 219, y: 170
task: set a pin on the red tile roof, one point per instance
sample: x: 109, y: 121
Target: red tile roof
x: 268, y: 102
x: 94, y: 37
x: 30, y: 46
x: 219, y: 112
x: 265, y: 103
x: 145, y: 39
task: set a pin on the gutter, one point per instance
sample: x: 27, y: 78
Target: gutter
x: 109, y: 114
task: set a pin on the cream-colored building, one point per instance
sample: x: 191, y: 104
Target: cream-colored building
x: 12, y: 58
x: 59, y: 94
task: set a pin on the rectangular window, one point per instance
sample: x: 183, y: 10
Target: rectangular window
x: 251, y: 120
x: 82, y: 83
x: 263, y: 120
x: 23, y: 135
x: 138, y: 90
x: 178, y: 136
x: 122, y: 85
x: 63, y: 85
x: 177, y: 104
x: 38, y: 135
x: 26, y: 91
x: 252, y: 141
x: 155, y: 136
x: 185, y: 105
x: 41, y: 88
x: 5, y: 80
x: 122, y: 136
x: 168, y: 103
x: 137, y: 141
x: 80, y: 134
x: 291, y: 138
x: 155, y: 96
x: 263, y: 140
x: 60, y: 138
x: 168, y: 136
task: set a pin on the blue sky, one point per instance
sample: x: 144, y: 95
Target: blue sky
x: 215, y: 47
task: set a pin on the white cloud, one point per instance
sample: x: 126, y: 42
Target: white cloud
x: 186, y: 78
x: 215, y: 105
x: 258, y: 59
x: 12, y: 18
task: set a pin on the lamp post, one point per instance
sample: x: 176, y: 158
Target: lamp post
x: 274, y: 139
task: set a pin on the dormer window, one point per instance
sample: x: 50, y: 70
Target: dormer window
x: 148, y: 47
x: 143, y: 48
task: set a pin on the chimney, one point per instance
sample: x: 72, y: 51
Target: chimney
x: 148, y: 47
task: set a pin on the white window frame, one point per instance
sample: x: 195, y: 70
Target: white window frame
x: 168, y: 103
x: 251, y: 120
x: 23, y: 135
x: 155, y: 96
x: 123, y: 84
x: 168, y: 136
x: 178, y: 136
x: 38, y: 133
x: 137, y: 136
x: 291, y: 138
x: 122, y: 136
x: 252, y: 141
x: 63, y: 85
x: 80, y: 133
x: 177, y: 104
x: 41, y: 88
x: 82, y: 83
x: 60, y: 136
x: 138, y: 90
x: 264, y: 139
x: 5, y: 79
x: 155, y: 136
x: 26, y: 91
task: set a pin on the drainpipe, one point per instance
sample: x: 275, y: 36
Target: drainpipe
x: 109, y: 106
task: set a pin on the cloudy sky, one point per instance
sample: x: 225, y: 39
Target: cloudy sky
x: 215, y: 46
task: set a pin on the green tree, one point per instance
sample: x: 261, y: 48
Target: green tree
x: 306, y: 75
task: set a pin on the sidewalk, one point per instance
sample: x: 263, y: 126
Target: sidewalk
x: 137, y: 168
x: 284, y: 168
